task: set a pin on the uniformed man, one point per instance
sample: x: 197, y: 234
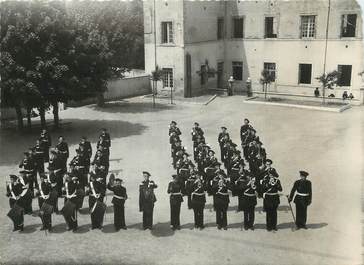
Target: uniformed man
x: 271, y: 187
x: 221, y: 203
x: 101, y: 164
x: 86, y: 146
x: 55, y: 168
x: 63, y: 152
x: 301, y: 193
x: 173, y: 128
x: 244, y: 133
x: 39, y: 157
x: 103, y: 146
x: 263, y: 173
x: 118, y: 200
x: 70, y: 207
x: 223, y: 135
x: 46, y: 143
x: 44, y: 190
x: 200, y: 141
x: 78, y: 167
x: 196, y: 132
x: 146, y: 200
x: 247, y: 200
x: 198, y: 201
x: 183, y: 165
x: 175, y: 190
x: 25, y: 179
x: 96, y: 193
x: 189, y: 185
x: 16, y: 191
x: 106, y: 137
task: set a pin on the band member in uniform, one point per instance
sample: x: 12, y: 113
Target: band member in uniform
x: 78, y: 167
x: 70, y: 207
x: 263, y: 173
x: 271, y: 187
x: 44, y: 196
x: 175, y: 190
x: 221, y: 139
x: 106, y: 137
x: 118, y: 200
x: 39, y: 157
x: 28, y: 193
x: 244, y: 133
x: 16, y: 191
x: 221, y: 203
x: 103, y: 146
x: 46, y: 143
x: 29, y: 175
x: 96, y: 193
x: 146, y: 200
x: 301, y: 193
x: 196, y: 132
x: 247, y: 200
x: 100, y: 164
x: 198, y: 200
x: 63, y: 152
x: 173, y: 128
x: 86, y: 146
x: 55, y: 168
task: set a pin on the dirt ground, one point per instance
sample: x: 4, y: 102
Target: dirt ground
x: 328, y: 145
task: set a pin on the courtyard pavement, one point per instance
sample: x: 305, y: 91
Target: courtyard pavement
x: 328, y: 145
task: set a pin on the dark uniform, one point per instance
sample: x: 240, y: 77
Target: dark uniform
x: 39, y: 158
x: 46, y: 143
x: 174, y: 128
x: 175, y: 189
x: 86, y: 151
x: 96, y: 193
x: 271, y: 187
x: 221, y: 204
x: 79, y: 168
x: 244, y: 134
x: 70, y: 188
x: 198, y: 201
x: 197, y: 133
x: 221, y: 138
x: 106, y: 138
x: 247, y: 201
x: 118, y: 201
x: 303, y: 190
x: 44, y: 196
x: 63, y: 153
x: 146, y: 202
x: 55, y: 166
x: 29, y: 170
x: 101, y: 163
x: 16, y: 191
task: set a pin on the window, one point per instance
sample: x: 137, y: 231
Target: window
x: 271, y: 68
x: 220, y: 28
x: 305, y: 72
x: 270, y: 30
x: 348, y: 25
x: 345, y: 75
x: 238, y: 27
x: 238, y: 70
x: 167, y: 77
x: 167, y: 32
x: 308, y: 26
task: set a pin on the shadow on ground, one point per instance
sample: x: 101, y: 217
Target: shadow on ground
x: 16, y: 142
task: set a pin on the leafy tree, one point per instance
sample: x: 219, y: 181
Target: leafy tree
x: 328, y: 81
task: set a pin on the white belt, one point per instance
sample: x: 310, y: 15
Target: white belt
x: 223, y: 193
x: 249, y: 194
x: 45, y: 197
x: 71, y: 196
x: 275, y: 193
x: 176, y: 193
x: 55, y: 171
x: 119, y: 197
x: 198, y: 194
x: 302, y: 194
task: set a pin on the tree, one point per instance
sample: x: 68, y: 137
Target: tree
x: 157, y: 75
x: 266, y: 78
x: 328, y: 81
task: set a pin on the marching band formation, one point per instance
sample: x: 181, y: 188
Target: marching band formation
x: 247, y: 175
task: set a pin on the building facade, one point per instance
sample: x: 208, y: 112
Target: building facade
x: 200, y: 44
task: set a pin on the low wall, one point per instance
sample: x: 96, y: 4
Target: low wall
x: 122, y: 88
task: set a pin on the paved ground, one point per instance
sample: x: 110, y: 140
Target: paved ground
x: 328, y: 145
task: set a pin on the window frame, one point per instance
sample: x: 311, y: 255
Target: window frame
x: 342, y: 24
x: 241, y: 64
x: 233, y: 27
x: 275, y: 20
x: 315, y: 16
x: 299, y: 74
x: 220, y: 35
x: 169, y: 73
x: 339, y: 82
x: 169, y: 32
x: 269, y: 70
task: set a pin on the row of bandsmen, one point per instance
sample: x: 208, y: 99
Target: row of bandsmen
x: 59, y: 181
x: 259, y: 180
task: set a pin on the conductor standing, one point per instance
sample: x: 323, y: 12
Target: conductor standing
x: 146, y: 200
x: 302, y: 188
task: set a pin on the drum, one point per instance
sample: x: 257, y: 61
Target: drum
x: 68, y: 209
x: 46, y: 209
x: 15, y: 213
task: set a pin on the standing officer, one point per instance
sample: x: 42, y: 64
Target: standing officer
x: 221, y: 203
x: 118, y: 201
x: 146, y: 200
x: 302, y: 188
x: 96, y: 194
x: 175, y: 190
x: 46, y: 143
x: 198, y: 200
x: 39, y: 157
x: 221, y: 139
x: 44, y: 201
x: 247, y: 200
x: 271, y: 187
x: 63, y: 152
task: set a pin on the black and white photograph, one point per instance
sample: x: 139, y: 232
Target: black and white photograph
x: 181, y: 132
